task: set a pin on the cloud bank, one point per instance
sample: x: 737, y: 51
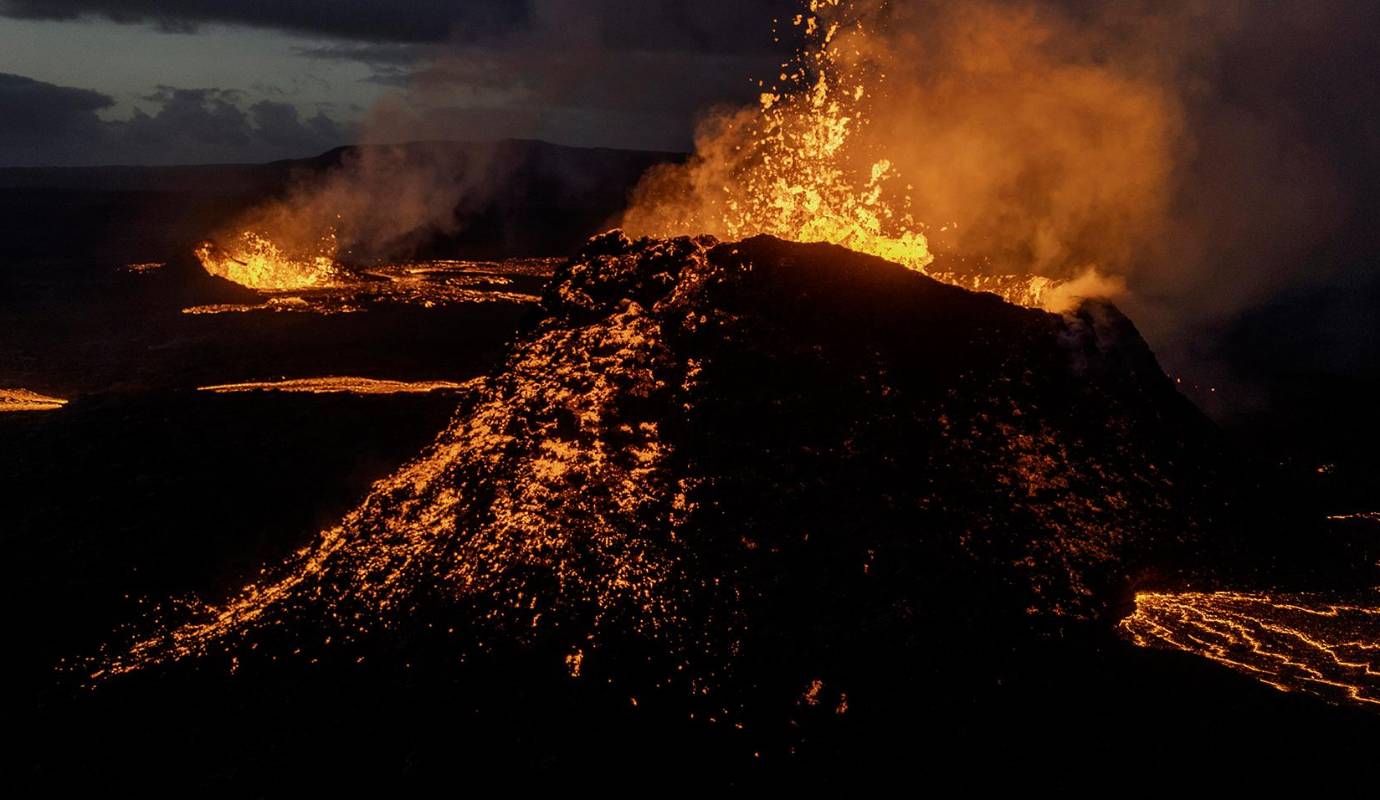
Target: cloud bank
x: 49, y: 125
x: 370, y: 20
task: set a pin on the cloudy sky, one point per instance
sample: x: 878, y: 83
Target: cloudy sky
x: 193, y: 81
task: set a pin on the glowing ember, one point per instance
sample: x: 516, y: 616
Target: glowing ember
x: 1293, y: 642
x: 25, y: 400
x: 256, y: 261
x: 428, y: 528
x: 337, y: 385
x: 147, y: 266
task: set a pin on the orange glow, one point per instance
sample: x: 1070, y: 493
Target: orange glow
x: 254, y: 260
x: 336, y: 385
x: 144, y: 266
x: 25, y: 400
x: 419, y: 531
x: 428, y: 284
x: 791, y: 173
x: 798, y: 167
x: 1304, y: 643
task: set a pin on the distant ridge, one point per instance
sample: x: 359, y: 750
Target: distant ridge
x: 541, y: 199
x: 234, y: 178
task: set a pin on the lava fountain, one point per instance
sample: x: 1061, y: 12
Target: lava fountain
x: 789, y: 167
x: 254, y: 260
x: 797, y: 166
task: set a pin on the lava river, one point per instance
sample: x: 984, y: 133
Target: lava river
x: 1295, y: 642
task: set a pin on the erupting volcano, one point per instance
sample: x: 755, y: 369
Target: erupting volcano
x: 701, y: 433
x: 828, y: 445
x: 697, y: 438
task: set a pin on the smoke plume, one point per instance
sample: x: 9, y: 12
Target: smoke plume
x: 384, y: 199
x: 1063, y: 139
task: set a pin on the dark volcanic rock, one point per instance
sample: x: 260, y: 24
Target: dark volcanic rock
x: 727, y: 461
x: 763, y: 499
x: 849, y: 431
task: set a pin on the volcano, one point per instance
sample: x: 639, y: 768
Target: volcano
x: 750, y: 510
x: 750, y: 473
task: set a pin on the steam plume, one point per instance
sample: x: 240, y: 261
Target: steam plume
x: 1097, y: 143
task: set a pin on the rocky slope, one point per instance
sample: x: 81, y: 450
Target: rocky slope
x: 759, y: 473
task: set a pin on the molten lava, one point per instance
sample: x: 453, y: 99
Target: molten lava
x: 1306, y: 643
x: 256, y: 261
x: 336, y: 385
x: 25, y: 400
x: 794, y: 177
x: 793, y: 167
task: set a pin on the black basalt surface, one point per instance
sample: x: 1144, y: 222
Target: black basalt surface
x: 924, y: 449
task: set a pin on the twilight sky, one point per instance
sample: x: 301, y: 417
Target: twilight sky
x: 195, y: 81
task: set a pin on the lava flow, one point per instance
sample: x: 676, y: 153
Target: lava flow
x: 1293, y: 642
x: 25, y: 400
x: 337, y: 385
x: 427, y: 284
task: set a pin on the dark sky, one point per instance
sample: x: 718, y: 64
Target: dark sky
x: 195, y: 81
x: 148, y: 81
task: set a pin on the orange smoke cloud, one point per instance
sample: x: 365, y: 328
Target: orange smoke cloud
x: 1158, y: 152
x: 382, y: 200
x: 984, y: 129
x: 1018, y: 143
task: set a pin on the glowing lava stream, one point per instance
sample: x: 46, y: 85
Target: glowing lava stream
x: 25, y: 400
x: 1293, y: 642
x: 1360, y: 516
x: 428, y: 284
x: 337, y: 384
